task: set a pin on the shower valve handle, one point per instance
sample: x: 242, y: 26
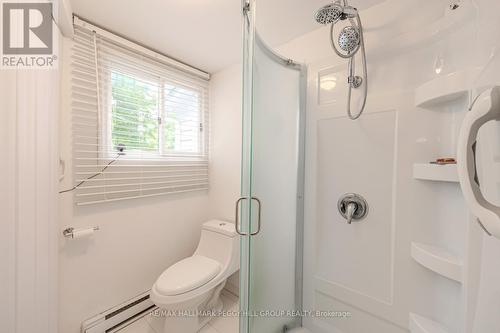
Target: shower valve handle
x: 352, y: 207
x: 350, y: 211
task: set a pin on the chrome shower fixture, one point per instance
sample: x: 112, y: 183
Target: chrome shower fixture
x: 349, y: 40
x: 329, y: 14
x: 333, y: 12
x: 347, y: 44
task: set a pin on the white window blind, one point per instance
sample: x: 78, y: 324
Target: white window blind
x: 139, y: 124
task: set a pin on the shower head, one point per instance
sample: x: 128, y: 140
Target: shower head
x: 349, y: 39
x: 335, y: 11
x: 329, y: 14
x: 349, y: 42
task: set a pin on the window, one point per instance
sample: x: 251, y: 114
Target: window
x: 183, y: 120
x: 156, y: 118
x: 140, y: 125
x: 135, y: 123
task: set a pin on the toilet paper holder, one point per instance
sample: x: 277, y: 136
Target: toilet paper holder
x: 69, y: 232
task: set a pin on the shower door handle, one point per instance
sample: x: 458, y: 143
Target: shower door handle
x: 237, y: 216
x: 258, y: 216
x: 485, y: 108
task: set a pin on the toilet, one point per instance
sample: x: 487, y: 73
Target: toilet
x: 189, y: 290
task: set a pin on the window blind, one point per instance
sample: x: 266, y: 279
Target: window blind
x: 140, y: 126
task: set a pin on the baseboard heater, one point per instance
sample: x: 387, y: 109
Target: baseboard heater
x: 120, y: 316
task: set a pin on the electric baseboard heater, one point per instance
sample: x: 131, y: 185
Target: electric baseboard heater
x: 119, y: 316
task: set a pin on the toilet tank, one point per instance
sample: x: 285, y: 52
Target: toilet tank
x: 219, y: 241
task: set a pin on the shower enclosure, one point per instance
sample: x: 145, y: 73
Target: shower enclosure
x: 271, y: 210
x: 417, y: 261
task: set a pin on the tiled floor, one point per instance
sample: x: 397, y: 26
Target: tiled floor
x: 150, y: 324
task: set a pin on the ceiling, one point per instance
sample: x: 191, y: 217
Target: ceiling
x: 203, y: 33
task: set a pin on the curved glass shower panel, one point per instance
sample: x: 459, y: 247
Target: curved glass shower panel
x: 275, y: 181
x: 272, y: 173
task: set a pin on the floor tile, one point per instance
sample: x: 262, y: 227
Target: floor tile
x: 156, y: 322
x: 231, y: 302
x: 225, y: 324
x: 208, y: 329
x: 228, y: 324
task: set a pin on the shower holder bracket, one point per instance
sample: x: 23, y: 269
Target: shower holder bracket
x: 355, y: 81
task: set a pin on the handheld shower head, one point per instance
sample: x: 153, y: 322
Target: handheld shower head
x: 349, y: 39
x: 329, y: 14
x: 349, y: 42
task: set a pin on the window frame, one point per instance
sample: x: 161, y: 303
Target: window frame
x: 161, y: 154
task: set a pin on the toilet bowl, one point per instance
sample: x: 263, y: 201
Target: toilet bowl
x: 189, y: 291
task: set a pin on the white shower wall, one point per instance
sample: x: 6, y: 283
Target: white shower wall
x: 367, y: 268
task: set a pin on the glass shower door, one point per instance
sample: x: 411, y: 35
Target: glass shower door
x: 271, y: 208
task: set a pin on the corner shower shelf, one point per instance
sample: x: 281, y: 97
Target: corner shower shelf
x: 445, y: 89
x: 438, y: 260
x: 419, y: 324
x: 435, y: 172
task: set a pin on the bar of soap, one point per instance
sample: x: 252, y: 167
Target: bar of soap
x: 443, y: 161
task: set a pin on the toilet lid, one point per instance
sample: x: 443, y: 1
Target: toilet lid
x: 187, y: 275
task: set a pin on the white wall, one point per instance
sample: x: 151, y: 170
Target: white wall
x: 29, y: 104
x: 225, y: 141
x: 225, y: 147
x: 138, y: 239
x: 7, y: 200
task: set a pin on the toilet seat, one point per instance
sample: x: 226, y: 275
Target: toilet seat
x: 187, y: 275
